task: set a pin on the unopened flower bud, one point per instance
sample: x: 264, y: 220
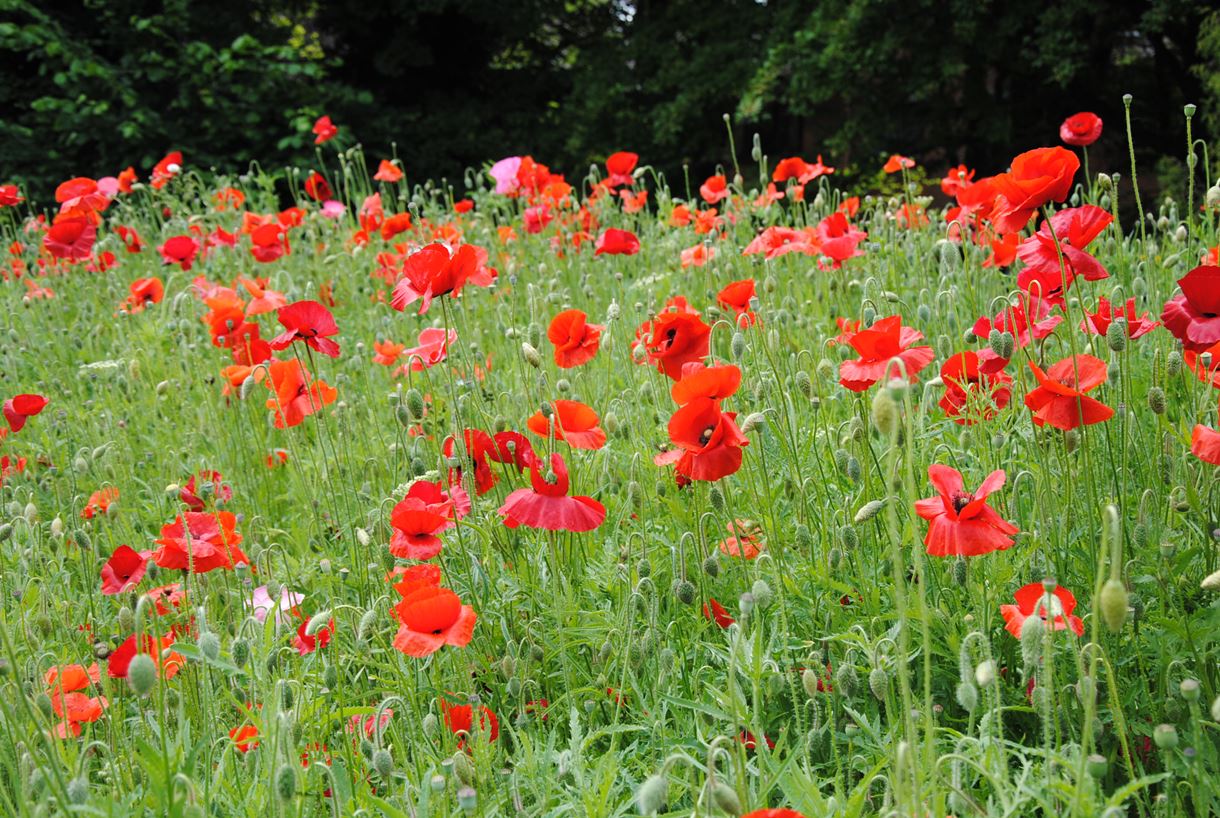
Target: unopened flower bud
x: 286, y: 782
x: 650, y: 798
x: 531, y: 355
x: 141, y: 674
x: 868, y: 511
x: 1113, y: 604
x: 878, y: 683
x: 1165, y: 736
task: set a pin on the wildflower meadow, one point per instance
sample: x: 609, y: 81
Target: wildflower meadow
x: 344, y: 490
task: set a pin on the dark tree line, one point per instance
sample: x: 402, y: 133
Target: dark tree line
x: 91, y: 86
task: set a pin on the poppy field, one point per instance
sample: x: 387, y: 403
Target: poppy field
x: 340, y: 490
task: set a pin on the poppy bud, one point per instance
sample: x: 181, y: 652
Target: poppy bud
x: 968, y: 696
x: 868, y: 511
x: 1211, y: 582
x: 959, y: 571
x: 1031, y: 640
x: 126, y: 620
x: 1086, y: 689
x: 711, y: 566
x: 241, y: 652
x: 1104, y: 182
x: 716, y: 497
x: 652, y: 795
x: 1113, y: 603
x: 878, y: 683
x: 209, y: 645
x: 463, y: 768
x: 141, y: 674
x: 1189, y: 688
x: 1071, y: 439
x: 867, y: 315
x: 723, y: 797
x: 1213, y: 197
x: 635, y: 494
x: 738, y: 346
x: 803, y: 536
x: 885, y: 413
x: 81, y: 537
x: 43, y: 703
x: 1215, y: 709
x: 6, y: 531
x: 761, y: 592
x: 1096, y: 765
x: 530, y: 353
x: 286, y: 782
x: 809, y: 681
x: 383, y: 763
x: 804, y: 383
x: 1173, y: 364
x: 684, y: 590
x: 57, y: 525
x: 849, y: 538
x: 643, y: 568
x: 846, y: 679
x: 78, y: 790
x: 984, y: 673
x: 1156, y: 400
x: 853, y: 470
x: 1165, y: 736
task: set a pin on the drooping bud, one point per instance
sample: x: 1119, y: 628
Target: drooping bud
x: 1113, y: 604
x: 286, y: 782
x: 141, y: 674
x: 650, y: 798
x: 878, y: 683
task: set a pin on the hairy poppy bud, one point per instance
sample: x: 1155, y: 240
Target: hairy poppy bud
x: 849, y: 538
x: 810, y: 681
x: 643, y: 568
x: 762, y: 593
x: 968, y: 696
x: 885, y: 413
x: 209, y: 645
x: 1096, y: 765
x: 141, y: 674
x: 846, y: 679
x: 81, y: 537
x: 723, y: 797
x: 1189, y: 688
x: 868, y: 511
x: 531, y: 355
x: 78, y: 790
x: 1104, y: 182
x: 286, y: 782
x: 684, y: 590
x: 959, y: 571
x: 984, y: 674
x: 6, y: 531
x: 1116, y: 335
x: 414, y: 401
x: 853, y: 470
x: 1156, y: 400
x: 1165, y: 736
x: 241, y: 652
x: 1031, y: 640
x: 1071, y: 440
x: 804, y: 383
x: 383, y: 763
x: 650, y: 798
x: 878, y: 683
x: 803, y: 536
x: 1213, y: 197
x: 738, y: 346
x: 715, y: 496
x: 126, y: 620
x: 711, y: 566
x: 1113, y: 603
x: 1173, y: 364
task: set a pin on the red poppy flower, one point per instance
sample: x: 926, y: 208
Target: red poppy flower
x: 748, y: 741
x: 317, y: 188
x: 432, y: 272
x: 971, y: 393
x: 962, y: 524
x: 10, y: 196
x: 574, y: 422
x: 324, y: 130
x: 736, y: 297
x: 548, y: 506
x: 1080, y: 129
x: 777, y: 241
x: 10, y: 466
x: 898, y: 162
x: 130, y: 238
x: 716, y: 613
x: 1032, y: 600
x: 746, y: 540
x: 1206, y: 372
x: 615, y: 242
x: 780, y: 812
x: 708, y: 441
x: 1097, y: 323
x: 1044, y: 276
x: 245, y: 738
x: 479, y: 448
x: 306, y: 644
x: 1037, y: 177
x: 126, y: 179
x: 20, y: 408
x: 1193, y: 316
x: 417, y: 519
x: 837, y: 240
x: 310, y: 322
x: 144, y: 291
x: 956, y: 180
x: 715, y: 189
x: 75, y: 709
x: 262, y: 299
x: 1060, y: 400
x: 297, y: 394
x: 212, y: 486
x: 696, y: 256
x: 169, y: 167
x: 124, y: 570
x: 180, y: 250
x: 878, y: 346
x: 699, y: 381
x: 463, y: 206
x: 99, y: 502
x: 70, y: 239
x: 167, y: 665
x: 80, y: 197
x: 674, y: 338
x: 619, y: 167
x: 387, y: 171
x: 433, y: 348
x: 459, y: 718
x: 387, y: 353
x: 71, y: 678
x: 269, y: 242
x: 200, y: 542
x: 575, y: 340
x: 432, y: 617
x: 1205, y: 444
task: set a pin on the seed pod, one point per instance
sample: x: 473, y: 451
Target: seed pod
x: 1113, y: 603
x: 878, y: 683
x: 1096, y: 765
x: 1189, y: 688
